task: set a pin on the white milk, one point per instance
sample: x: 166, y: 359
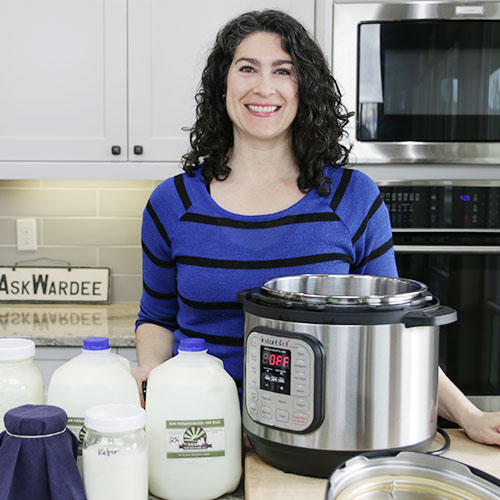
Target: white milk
x: 193, y: 428
x: 115, y: 458
x: 92, y: 378
x: 108, y: 475
x: 21, y: 381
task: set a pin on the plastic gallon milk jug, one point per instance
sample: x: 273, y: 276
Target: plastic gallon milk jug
x: 21, y: 381
x: 96, y: 376
x: 115, y: 459
x: 193, y: 426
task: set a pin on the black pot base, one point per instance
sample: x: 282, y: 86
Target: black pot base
x: 314, y: 463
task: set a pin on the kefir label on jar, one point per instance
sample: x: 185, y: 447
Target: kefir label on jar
x: 195, y: 438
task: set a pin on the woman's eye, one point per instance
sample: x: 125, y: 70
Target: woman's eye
x: 283, y: 71
x: 246, y: 69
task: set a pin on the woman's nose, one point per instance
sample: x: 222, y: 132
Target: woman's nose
x: 265, y: 86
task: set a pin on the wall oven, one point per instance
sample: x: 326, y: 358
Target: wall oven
x: 423, y: 79
x: 447, y: 235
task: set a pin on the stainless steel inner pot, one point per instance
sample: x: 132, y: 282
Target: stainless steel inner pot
x: 346, y: 289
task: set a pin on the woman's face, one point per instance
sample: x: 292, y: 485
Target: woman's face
x: 262, y: 89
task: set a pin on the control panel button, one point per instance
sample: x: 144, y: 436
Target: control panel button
x: 284, y: 402
x: 252, y: 408
x: 301, y: 390
x: 266, y: 397
x: 282, y: 416
x: 300, y: 404
x: 300, y: 418
x: 300, y: 376
x: 252, y: 394
x: 300, y: 364
x: 252, y: 381
x: 266, y: 412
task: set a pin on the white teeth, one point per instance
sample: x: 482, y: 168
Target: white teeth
x: 262, y: 109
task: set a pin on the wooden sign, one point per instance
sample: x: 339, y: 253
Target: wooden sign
x: 79, y: 285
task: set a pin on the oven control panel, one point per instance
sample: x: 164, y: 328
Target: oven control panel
x: 443, y: 206
x: 284, y: 379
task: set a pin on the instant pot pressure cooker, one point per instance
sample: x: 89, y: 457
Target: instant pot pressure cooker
x: 337, y: 365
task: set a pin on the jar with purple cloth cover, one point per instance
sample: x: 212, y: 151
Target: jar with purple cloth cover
x: 38, y: 456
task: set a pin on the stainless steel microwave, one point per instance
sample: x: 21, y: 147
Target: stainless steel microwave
x: 423, y: 79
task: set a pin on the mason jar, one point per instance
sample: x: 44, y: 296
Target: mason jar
x: 21, y: 381
x: 115, y: 459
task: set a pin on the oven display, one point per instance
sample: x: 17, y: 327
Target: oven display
x: 275, y: 369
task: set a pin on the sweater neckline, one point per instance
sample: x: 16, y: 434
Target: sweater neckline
x: 205, y: 195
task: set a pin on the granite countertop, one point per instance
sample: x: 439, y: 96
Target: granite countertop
x: 66, y: 325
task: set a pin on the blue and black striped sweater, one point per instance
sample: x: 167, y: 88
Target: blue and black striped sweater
x: 198, y: 256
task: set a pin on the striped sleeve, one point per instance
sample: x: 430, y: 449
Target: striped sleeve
x: 358, y: 203
x: 159, y: 294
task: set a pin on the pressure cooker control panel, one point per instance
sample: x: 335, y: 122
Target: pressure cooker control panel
x: 284, y: 379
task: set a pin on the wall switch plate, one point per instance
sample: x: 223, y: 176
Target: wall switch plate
x: 26, y: 234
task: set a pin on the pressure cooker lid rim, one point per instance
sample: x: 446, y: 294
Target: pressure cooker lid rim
x: 296, y: 288
x: 413, y: 471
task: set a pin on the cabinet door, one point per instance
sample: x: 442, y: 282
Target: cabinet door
x: 169, y: 41
x: 63, y: 93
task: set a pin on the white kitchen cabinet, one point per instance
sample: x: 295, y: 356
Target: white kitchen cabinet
x: 63, y: 89
x: 80, y: 77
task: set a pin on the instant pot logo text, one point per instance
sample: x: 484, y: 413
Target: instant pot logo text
x: 275, y: 342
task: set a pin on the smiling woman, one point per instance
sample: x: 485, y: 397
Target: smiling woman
x: 265, y: 194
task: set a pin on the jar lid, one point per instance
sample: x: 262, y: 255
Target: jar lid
x: 112, y: 418
x: 35, y: 420
x: 14, y: 349
x: 96, y: 344
x: 192, y: 345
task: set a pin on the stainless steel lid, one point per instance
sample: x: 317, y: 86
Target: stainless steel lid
x: 410, y: 475
x: 346, y: 289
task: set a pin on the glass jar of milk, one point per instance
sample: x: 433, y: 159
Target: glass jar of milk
x: 21, y: 381
x: 115, y: 458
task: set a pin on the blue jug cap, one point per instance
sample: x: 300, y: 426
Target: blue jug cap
x: 96, y: 343
x: 192, y: 344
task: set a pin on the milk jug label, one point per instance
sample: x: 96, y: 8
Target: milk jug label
x: 195, y: 438
x: 75, y: 425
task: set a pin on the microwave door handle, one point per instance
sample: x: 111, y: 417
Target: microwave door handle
x: 450, y: 249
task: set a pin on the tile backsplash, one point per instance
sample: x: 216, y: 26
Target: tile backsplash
x: 88, y: 223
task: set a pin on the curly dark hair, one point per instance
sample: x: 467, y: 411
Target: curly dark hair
x: 321, y: 117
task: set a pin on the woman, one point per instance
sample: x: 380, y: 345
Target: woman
x: 265, y: 194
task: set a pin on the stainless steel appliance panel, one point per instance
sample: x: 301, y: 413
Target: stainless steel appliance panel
x: 347, y: 18
x: 380, y: 391
x: 447, y: 234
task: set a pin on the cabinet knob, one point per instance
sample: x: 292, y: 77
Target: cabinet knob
x: 138, y: 150
x: 116, y: 150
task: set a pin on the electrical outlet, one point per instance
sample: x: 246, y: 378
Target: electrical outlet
x: 26, y: 234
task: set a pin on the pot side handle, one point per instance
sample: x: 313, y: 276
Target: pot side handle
x: 430, y: 316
